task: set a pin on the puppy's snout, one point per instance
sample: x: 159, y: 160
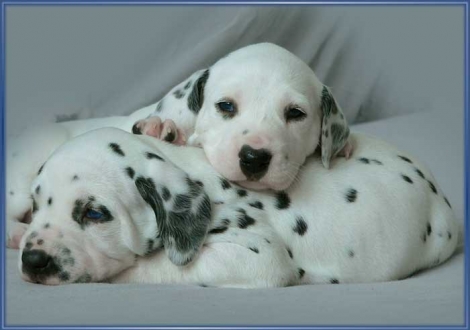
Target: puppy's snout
x: 254, y: 163
x: 38, y: 262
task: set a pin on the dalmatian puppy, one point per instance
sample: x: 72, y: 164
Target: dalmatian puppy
x: 257, y: 113
x: 122, y: 208
x: 256, y: 125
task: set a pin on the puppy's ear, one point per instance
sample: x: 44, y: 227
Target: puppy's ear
x: 139, y: 231
x: 180, y: 222
x: 196, y: 97
x: 334, y: 129
x: 187, y: 223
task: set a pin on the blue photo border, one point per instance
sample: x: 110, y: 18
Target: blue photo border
x: 466, y: 124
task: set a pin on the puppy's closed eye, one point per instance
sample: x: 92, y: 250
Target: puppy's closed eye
x: 294, y: 113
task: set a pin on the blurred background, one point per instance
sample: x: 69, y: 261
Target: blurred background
x: 68, y: 62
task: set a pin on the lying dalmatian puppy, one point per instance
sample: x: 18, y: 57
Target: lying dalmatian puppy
x: 256, y: 125
x: 112, y: 206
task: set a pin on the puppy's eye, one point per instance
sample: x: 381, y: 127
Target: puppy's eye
x: 294, y: 114
x: 93, y: 214
x: 227, y: 108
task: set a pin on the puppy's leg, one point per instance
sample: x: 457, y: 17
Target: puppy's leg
x: 25, y: 156
x: 347, y: 150
x: 175, y: 114
x: 228, y: 263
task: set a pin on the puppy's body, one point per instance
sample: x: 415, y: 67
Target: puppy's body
x: 379, y: 216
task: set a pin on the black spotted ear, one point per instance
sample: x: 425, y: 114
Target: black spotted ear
x: 180, y: 223
x: 187, y: 223
x: 196, y: 97
x: 334, y: 128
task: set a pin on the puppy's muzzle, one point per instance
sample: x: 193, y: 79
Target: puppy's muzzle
x: 254, y: 163
x: 38, y: 263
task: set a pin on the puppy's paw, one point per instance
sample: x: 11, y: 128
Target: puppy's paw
x: 347, y: 151
x: 166, y: 131
x: 15, y: 232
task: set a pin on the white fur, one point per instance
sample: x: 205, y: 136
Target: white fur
x: 382, y: 235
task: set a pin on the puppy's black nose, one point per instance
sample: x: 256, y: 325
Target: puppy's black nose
x: 254, y: 163
x: 38, y: 262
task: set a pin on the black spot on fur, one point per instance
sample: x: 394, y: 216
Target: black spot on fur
x: 130, y: 172
x: 85, y: 278
x: 267, y: 241
x: 449, y: 235
x: 188, y: 84
x: 150, y: 243
x: 351, y: 195
x: 225, y: 184
x: 257, y: 205
x: 178, y: 94
x: 282, y: 200
x: 407, y: 178
x: 166, y: 195
x: 151, y: 155
x: 66, y: 251
x: 300, y: 226
x: 196, y: 97
x: 159, y: 106
x: 170, y: 137
x: 38, y: 190
x: 424, y: 237
x: 420, y: 173
x: 35, y: 206
x: 433, y: 187
x: 363, y: 160
x: 406, y: 159
x: 334, y: 281
x: 195, y: 187
x: 49, y: 201
x: 255, y: 250
x: 33, y: 235
x: 40, y: 169
x: 447, y: 202
x: 377, y: 162
x: 244, y: 221
x: 245, y: 132
x: 218, y: 230
x: 136, y: 129
x: 351, y: 253
x: 12, y: 193
x: 75, y: 178
x: 28, y: 246
x: 428, y: 228
x: 47, y: 225
x: 242, y: 192
x: 301, y: 272
x: 117, y: 149
x: 182, y: 202
x: 289, y: 252
x: 64, y: 276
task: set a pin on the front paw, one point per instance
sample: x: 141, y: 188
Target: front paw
x: 15, y: 232
x: 165, y: 131
x: 347, y: 150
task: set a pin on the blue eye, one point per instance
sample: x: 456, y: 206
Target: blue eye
x: 227, y: 107
x: 92, y: 214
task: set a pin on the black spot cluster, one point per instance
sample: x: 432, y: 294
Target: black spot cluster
x: 300, y: 226
x: 365, y: 160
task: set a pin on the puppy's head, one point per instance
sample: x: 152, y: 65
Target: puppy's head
x: 101, y: 200
x: 263, y: 112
